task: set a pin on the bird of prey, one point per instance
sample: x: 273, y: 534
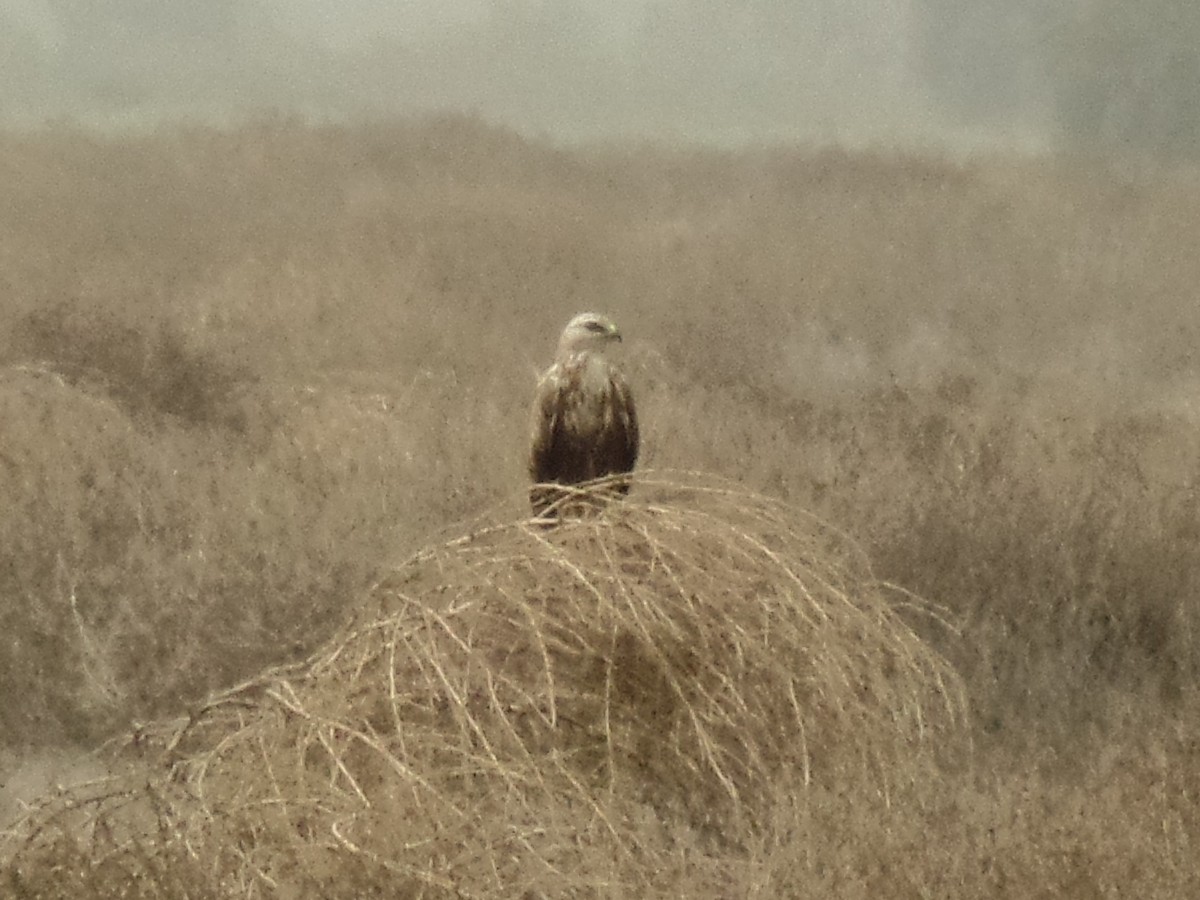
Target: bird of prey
x: 584, y: 421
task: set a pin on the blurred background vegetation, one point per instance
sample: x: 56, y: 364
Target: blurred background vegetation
x: 243, y: 369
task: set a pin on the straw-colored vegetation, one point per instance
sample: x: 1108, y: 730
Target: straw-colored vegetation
x: 252, y: 380
x: 532, y: 710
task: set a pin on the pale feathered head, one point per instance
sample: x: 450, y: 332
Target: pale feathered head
x: 587, y: 331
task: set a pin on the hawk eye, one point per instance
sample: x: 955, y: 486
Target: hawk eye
x: 597, y: 327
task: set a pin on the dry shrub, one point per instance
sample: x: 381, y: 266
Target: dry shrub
x: 525, y: 710
x: 151, y: 369
x: 145, y: 567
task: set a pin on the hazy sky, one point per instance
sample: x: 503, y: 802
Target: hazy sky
x: 709, y: 70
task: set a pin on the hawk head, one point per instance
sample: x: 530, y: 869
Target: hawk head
x: 587, y: 331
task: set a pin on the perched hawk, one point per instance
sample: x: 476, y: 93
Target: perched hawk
x: 584, y: 422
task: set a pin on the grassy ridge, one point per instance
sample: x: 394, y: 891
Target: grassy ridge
x: 243, y: 369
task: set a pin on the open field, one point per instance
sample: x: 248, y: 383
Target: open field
x: 244, y: 373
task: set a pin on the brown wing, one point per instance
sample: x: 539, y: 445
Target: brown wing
x: 546, y: 427
x: 568, y: 446
x: 621, y: 444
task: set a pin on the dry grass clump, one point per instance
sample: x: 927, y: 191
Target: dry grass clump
x: 149, y: 369
x: 529, y: 710
x: 147, y: 561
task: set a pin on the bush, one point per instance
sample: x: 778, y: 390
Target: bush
x: 151, y: 370
x: 528, y: 711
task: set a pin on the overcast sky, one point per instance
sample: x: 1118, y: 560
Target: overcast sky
x: 703, y: 70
